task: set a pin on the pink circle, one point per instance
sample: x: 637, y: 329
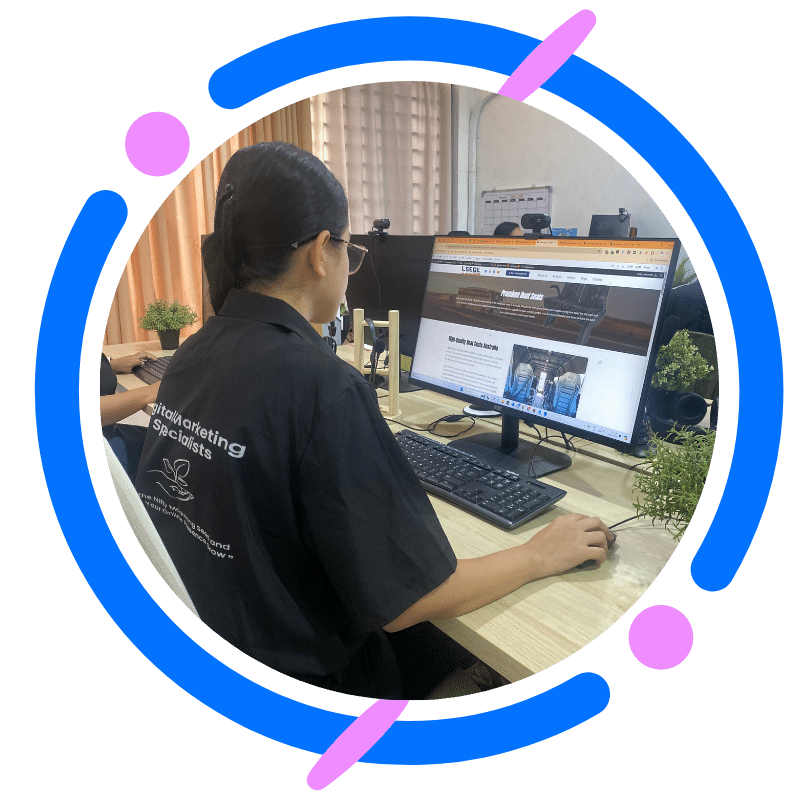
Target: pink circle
x: 157, y: 143
x: 661, y: 637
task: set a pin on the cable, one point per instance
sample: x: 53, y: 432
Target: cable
x: 374, y: 236
x: 533, y: 454
x: 616, y: 524
x: 429, y: 428
x: 451, y: 418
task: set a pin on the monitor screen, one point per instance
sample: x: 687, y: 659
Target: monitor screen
x: 392, y: 277
x: 556, y: 331
x: 610, y: 225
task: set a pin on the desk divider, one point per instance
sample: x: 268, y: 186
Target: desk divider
x: 393, y: 370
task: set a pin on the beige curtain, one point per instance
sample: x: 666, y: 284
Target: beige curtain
x: 389, y: 145
x: 166, y: 261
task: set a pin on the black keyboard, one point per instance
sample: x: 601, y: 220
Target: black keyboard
x: 506, y: 498
x: 152, y: 371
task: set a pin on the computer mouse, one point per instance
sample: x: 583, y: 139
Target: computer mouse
x: 591, y: 562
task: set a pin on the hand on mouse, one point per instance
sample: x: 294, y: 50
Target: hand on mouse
x: 569, y: 541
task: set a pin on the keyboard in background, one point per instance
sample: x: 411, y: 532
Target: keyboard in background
x: 503, y: 497
x: 152, y: 371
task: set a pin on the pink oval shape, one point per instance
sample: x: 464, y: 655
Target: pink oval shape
x: 548, y: 56
x: 354, y: 742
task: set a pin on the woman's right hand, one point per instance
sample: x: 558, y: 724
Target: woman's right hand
x: 569, y: 541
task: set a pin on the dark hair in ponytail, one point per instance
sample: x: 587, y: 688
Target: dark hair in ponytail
x: 270, y: 195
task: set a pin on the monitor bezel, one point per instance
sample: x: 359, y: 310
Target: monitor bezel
x: 562, y: 427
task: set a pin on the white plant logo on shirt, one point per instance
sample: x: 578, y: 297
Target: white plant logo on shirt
x: 174, y: 473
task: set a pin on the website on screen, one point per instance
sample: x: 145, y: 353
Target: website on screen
x: 558, y: 331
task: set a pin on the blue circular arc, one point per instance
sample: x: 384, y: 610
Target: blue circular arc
x: 155, y: 634
x: 60, y: 341
x: 652, y: 136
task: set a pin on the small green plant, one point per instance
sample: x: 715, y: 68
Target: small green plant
x: 163, y: 316
x: 679, y: 364
x: 673, y: 479
x: 683, y: 272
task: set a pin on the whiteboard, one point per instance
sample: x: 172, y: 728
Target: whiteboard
x: 508, y: 205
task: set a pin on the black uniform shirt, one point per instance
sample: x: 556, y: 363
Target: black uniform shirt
x: 108, y: 378
x: 288, y: 508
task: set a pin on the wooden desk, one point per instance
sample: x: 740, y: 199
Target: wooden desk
x: 548, y: 620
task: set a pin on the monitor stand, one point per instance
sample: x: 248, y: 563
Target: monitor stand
x: 478, y: 408
x: 505, y: 451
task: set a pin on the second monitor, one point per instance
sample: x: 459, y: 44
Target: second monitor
x: 393, y: 277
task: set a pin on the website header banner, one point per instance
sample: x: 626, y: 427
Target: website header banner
x: 519, y: 249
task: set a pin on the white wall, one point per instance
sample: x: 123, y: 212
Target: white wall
x: 516, y: 146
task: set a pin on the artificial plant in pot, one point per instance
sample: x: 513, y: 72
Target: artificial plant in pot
x: 673, y: 478
x: 679, y: 364
x: 168, y: 320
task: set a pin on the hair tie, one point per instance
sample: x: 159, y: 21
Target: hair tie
x: 226, y: 203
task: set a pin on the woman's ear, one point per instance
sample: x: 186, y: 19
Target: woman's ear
x: 318, y: 254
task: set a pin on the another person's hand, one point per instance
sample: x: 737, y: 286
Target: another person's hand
x: 116, y: 407
x: 569, y: 541
x: 151, y: 398
x: 127, y: 363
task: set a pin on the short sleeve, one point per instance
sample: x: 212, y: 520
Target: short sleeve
x: 108, y: 378
x: 366, y: 516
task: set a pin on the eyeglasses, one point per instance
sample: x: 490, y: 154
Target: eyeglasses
x: 355, y: 252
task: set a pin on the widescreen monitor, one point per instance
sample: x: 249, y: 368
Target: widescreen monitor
x: 560, y: 332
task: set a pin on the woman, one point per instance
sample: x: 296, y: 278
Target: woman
x: 126, y: 440
x: 294, y: 519
x: 115, y: 407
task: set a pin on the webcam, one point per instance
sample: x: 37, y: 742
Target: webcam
x: 535, y: 222
x: 379, y: 228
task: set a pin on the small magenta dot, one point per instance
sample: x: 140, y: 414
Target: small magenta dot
x: 157, y: 143
x: 661, y: 637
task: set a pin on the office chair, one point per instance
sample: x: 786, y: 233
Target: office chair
x: 144, y: 529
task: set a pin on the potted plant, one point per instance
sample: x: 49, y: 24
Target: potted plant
x: 679, y: 364
x: 673, y: 478
x: 168, y: 320
x: 684, y: 272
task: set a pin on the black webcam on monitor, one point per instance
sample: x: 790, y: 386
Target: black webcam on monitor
x: 380, y: 228
x: 535, y: 223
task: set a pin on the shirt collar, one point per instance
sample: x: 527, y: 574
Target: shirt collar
x: 269, y: 311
